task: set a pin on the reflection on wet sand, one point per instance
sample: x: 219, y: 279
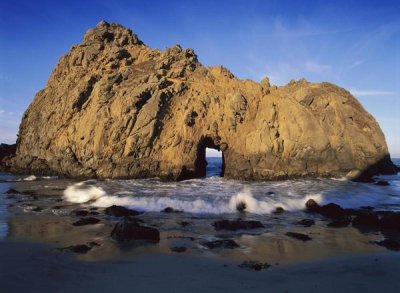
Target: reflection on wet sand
x: 269, y: 247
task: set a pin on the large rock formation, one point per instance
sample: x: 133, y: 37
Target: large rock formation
x: 115, y: 108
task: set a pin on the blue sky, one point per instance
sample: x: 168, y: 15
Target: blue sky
x: 355, y: 44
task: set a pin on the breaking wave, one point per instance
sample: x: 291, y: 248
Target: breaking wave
x: 83, y: 192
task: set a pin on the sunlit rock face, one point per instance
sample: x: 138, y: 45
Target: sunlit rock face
x: 115, y: 108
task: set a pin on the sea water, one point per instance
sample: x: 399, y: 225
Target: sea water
x: 217, y: 195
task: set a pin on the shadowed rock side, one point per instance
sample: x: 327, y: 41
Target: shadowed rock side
x: 115, y: 108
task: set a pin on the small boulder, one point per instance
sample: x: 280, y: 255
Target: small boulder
x: 278, y: 211
x: 332, y: 210
x: 170, y: 210
x: 80, y: 213
x: 382, y: 183
x: 254, y: 265
x: 37, y: 209
x: 312, y: 206
x: 241, y: 206
x: 225, y: 243
x: 306, y: 222
x: 178, y: 249
x: 130, y: 229
x: 80, y: 248
x: 366, y: 220
x: 12, y: 191
x: 237, y: 225
x: 86, y: 221
x: 119, y: 211
x: 389, y: 244
x: 184, y: 223
x: 299, y: 236
x: 340, y: 223
x: 391, y: 221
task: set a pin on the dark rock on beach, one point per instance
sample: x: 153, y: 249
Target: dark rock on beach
x: 391, y: 221
x: 241, y: 206
x: 119, y: 211
x: 254, y: 265
x: 80, y: 213
x: 12, y: 191
x: 86, y: 221
x: 340, y: 222
x: 237, y: 225
x: 366, y: 220
x: 299, y: 236
x: 80, y: 248
x: 170, y: 210
x: 130, y: 229
x: 278, y: 211
x: 382, y: 183
x: 178, y: 249
x: 37, y: 209
x: 312, y: 206
x: 306, y: 222
x: 389, y: 244
x: 225, y: 243
x: 330, y: 210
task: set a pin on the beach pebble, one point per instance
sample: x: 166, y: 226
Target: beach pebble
x: 178, y: 249
x: 80, y: 213
x: 86, y: 221
x: 299, y: 236
x: 237, y: 225
x: 306, y: 222
x: 80, y: 248
x: 391, y: 221
x: 170, y: 210
x: 278, y: 210
x: 366, y: 220
x: 254, y: 265
x: 389, y: 244
x: 225, y: 243
x: 382, y: 183
x: 340, y: 223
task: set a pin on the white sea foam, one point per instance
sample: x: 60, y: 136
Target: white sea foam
x: 217, y: 195
x: 82, y: 192
x: 268, y: 205
x: 30, y: 178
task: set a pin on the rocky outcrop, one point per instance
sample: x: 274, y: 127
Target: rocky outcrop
x: 115, y: 108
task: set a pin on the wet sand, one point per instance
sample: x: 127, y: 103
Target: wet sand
x: 27, y: 267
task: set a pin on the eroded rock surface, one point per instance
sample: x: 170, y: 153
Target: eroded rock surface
x: 115, y: 108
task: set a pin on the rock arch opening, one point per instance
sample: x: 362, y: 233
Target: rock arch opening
x: 208, y: 161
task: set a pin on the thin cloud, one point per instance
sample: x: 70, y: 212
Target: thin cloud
x: 356, y: 63
x: 316, y: 67
x: 371, y: 93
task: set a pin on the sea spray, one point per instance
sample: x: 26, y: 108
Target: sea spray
x: 216, y: 195
x: 82, y: 192
x: 30, y: 178
x: 268, y: 205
